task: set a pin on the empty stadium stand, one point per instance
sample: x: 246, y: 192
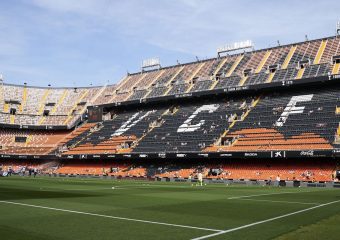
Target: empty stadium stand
x: 23, y: 105
x: 29, y: 142
x: 295, y: 119
x: 270, y: 101
x: 259, y: 169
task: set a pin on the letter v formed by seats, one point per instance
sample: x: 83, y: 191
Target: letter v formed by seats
x: 132, y: 121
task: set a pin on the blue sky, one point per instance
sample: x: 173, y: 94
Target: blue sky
x: 79, y: 42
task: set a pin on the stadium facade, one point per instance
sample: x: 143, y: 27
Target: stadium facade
x: 252, y: 115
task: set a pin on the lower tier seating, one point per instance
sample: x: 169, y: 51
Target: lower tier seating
x: 256, y: 169
x: 29, y: 142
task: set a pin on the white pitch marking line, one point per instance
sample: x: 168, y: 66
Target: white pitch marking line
x: 115, y: 188
x: 75, y: 189
x: 265, y: 194
x: 263, y: 200
x: 119, y: 187
x: 86, y: 189
x: 264, y: 221
x: 112, y: 217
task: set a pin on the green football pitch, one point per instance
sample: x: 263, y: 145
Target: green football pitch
x: 65, y: 208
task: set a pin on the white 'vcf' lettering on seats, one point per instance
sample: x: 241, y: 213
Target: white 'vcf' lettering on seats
x: 188, y: 127
x: 132, y: 121
x: 292, y: 109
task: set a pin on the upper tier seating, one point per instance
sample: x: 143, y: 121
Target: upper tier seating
x: 22, y: 105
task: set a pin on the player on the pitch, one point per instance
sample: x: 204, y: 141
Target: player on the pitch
x: 200, y: 179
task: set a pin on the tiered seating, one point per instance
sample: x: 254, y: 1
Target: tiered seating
x: 77, y: 134
x: 302, y: 60
x: 304, y: 52
x: 12, y: 97
x: 166, y: 77
x: 65, y: 106
x: 34, y: 95
x: 114, y: 136
x: 23, y: 105
x: 205, y: 75
x: 160, y: 86
x: 99, y: 168
x: 316, y: 70
x: 36, y: 142
x: 178, y: 88
x: 180, y: 84
x: 285, y: 74
x: 80, y: 105
x: 125, y: 89
x: 320, y: 170
x: 138, y: 94
x: 84, y: 168
x: 332, y: 49
x: 180, y: 172
x: 21, y: 119
x: 141, y: 88
x: 131, y: 171
x: 260, y: 139
x: 190, y: 127
x: 257, y: 78
x: 158, y: 91
x: 113, y: 145
x: 20, y: 166
x: 201, y: 85
x: 291, y: 121
x: 277, y: 56
x: 228, y: 82
x: 232, y: 72
x: 269, y: 170
x: 207, y: 70
x: 104, y: 95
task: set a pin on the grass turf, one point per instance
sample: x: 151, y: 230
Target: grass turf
x: 215, y: 207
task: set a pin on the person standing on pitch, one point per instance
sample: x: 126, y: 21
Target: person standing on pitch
x: 278, y: 179
x: 200, y: 179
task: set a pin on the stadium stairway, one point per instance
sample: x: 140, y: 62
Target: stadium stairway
x: 69, y: 114
x: 54, y: 109
x: 214, y: 147
x: 193, y: 76
x: 42, y: 102
x: 300, y: 73
x: 263, y: 61
x: 336, y: 68
x: 24, y: 99
x: 171, y: 79
x: 289, y: 57
x: 270, y: 77
x: 234, y: 66
x: 320, y: 51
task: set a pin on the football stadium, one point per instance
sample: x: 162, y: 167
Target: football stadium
x: 244, y: 144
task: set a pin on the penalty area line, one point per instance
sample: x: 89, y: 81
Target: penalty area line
x: 274, y: 201
x: 266, y: 194
x: 264, y: 221
x: 111, y: 217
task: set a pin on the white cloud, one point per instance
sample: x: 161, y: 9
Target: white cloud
x: 49, y: 34
x: 192, y: 26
